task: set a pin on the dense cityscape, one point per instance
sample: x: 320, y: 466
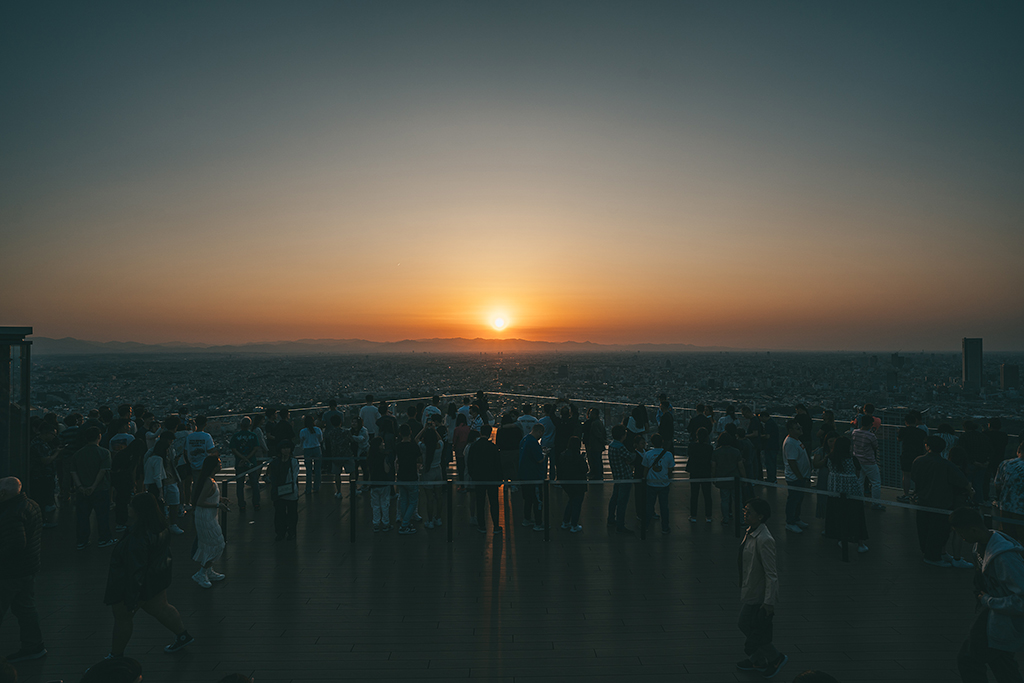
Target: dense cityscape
x: 222, y: 385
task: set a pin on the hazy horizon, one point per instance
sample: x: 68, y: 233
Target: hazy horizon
x: 781, y: 175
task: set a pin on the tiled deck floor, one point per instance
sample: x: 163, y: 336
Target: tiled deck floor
x: 592, y: 606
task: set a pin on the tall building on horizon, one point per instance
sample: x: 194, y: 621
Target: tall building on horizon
x: 972, y: 361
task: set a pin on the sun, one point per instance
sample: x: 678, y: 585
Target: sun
x: 499, y: 324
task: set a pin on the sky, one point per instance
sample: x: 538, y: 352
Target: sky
x: 755, y: 175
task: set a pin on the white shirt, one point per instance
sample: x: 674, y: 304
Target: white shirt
x: 314, y: 439
x: 431, y: 412
x: 665, y: 461
x: 197, y: 446
x: 370, y: 415
x: 526, y: 422
x: 122, y: 438
x: 153, y: 471
x: 792, y: 449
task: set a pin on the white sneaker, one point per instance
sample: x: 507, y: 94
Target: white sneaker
x: 802, y: 525
x: 437, y: 521
x: 175, y: 529
x: 212, y: 575
x: 862, y: 548
x: 200, y: 578
x: 428, y: 525
x: 962, y: 564
x: 338, y: 495
x: 576, y: 529
x: 566, y: 525
x: 794, y: 528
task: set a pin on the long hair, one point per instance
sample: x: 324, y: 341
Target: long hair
x: 640, y: 416
x: 310, y: 424
x: 163, y: 444
x: 842, y: 451
x: 210, y: 464
x: 148, y: 513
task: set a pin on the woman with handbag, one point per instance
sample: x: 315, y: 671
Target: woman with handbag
x: 283, y: 475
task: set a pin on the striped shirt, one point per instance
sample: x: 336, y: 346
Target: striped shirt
x: 865, y: 445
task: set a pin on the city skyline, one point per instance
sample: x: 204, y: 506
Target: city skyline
x: 769, y: 177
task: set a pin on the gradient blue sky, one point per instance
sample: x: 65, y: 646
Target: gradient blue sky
x: 751, y: 174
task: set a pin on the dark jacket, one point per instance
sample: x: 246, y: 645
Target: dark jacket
x: 484, y: 461
x: 939, y: 482
x: 140, y: 567
x: 21, y: 526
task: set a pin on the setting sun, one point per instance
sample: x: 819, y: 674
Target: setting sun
x: 498, y: 323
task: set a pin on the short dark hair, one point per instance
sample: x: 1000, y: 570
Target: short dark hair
x: 967, y: 518
x: 92, y: 433
x: 369, y: 398
x: 761, y: 507
x: 405, y: 430
x: 485, y: 431
x: 935, y: 444
x: 618, y: 432
x: 200, y: 421
x: 792, y: 422
x: 866, y: 421
x: 335, y: 420
x: 656, y: 440
x: 701, y: 435
x: 869, y: 408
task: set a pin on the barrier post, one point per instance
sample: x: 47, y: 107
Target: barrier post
x: 352, y: 509
x: 547, y: 510
x: 737, y: 507
x: 448, y: 494
x: 842, y: 542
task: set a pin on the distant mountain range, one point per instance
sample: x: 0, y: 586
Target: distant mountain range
x: 68, y: 346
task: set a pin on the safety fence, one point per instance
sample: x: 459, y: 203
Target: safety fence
x: 738, y: 486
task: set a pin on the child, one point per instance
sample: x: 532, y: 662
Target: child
x: 381, y: 466
x: 283, y: 476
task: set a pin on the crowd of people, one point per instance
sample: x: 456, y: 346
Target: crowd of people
x: 155, y: 473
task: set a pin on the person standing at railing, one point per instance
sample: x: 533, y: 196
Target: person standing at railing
x: 753, y: 427
x: 658, y: 464
x: 527, y: 419
x: 798, y: 475
x: 844, y: 518
x: 432, y: 448
x: 283, y: 477
x: 507, y: 440
x: 407, y: 459
x: 531, y: 468
x: 382, y: 469
x: 977, y: 456
x: 940, y: 484
x: 338, y: 453
x: 244, y: 444
x: 996, y: 441
x: 312, y: 439
x: 699, y: 466
x: 359, y: 444
x: 620, y: 458
x: 666, y: 424
x: 819, y: 463
x: 573, y: 468
x: 911, y: 440
x: 727, y: 461
x: 595, y: 437
x: 865, y: 449
x: 484, y: 463
x: 768, y: 431
x: 547, y: 441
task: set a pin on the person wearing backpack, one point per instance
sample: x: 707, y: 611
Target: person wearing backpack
x: 658, y: 463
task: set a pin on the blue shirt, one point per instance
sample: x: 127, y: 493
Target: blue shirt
x: 548, y: 440
x: 531, y: 459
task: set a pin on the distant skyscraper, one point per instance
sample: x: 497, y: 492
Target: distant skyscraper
x: 972, y: 363
x: 1009, y: 377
